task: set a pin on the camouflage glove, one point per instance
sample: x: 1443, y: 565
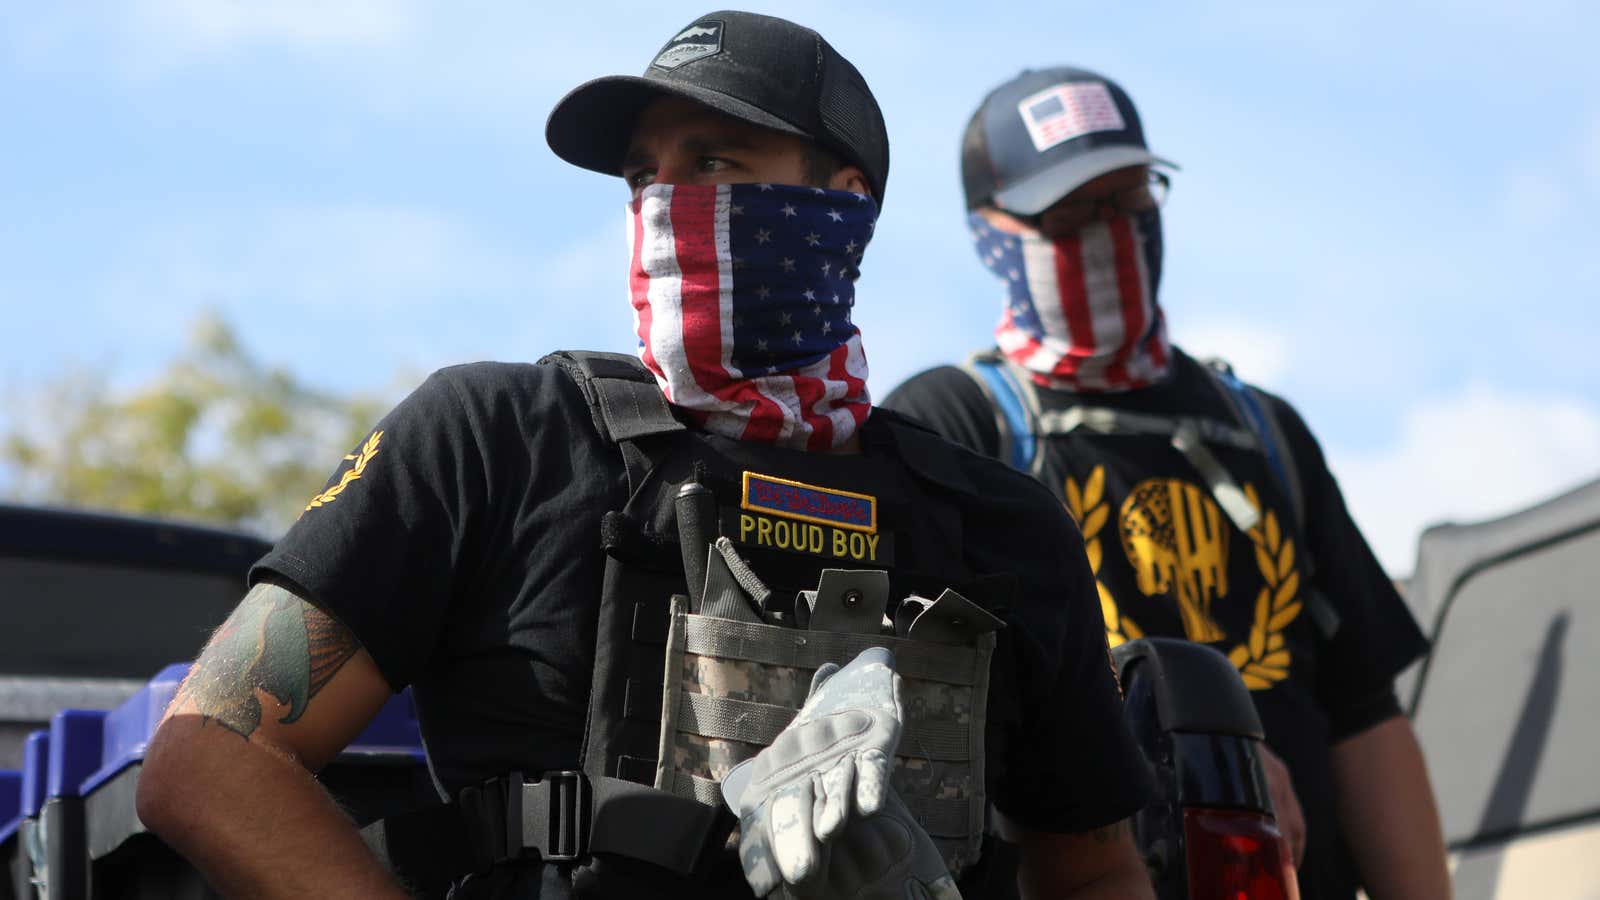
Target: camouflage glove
x: 834, y: 759
x: 886, y: 856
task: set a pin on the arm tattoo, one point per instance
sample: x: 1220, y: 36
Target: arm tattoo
x: 275, y: 643
x: 1108, y: 834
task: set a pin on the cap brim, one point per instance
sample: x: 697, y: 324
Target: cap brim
x: 591, y: 126
x: 1038, y: 192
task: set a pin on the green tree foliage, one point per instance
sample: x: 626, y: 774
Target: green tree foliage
x: 217, y: 436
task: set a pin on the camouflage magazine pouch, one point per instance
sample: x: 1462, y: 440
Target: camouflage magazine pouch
x: 731, y: 686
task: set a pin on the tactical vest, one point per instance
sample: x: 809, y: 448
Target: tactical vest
x: 1028, y: 420
x: 732, y: 573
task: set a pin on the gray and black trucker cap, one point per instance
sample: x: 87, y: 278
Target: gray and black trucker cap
x: 1041, y: 135
x: 762, y: 70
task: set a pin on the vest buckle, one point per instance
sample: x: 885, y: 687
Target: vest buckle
x: 554, y: 815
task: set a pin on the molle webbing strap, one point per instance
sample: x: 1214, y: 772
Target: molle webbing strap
x: 760, y: 723
x: 701, y: 790
x: 730, y: 719
x: 728, y: 639
x: 939, y: 817
x: 734, y: 686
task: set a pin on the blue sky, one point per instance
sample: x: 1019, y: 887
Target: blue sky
x: 1386, y: 211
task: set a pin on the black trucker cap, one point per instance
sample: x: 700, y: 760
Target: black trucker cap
x: 762, y: 70
x: 1041, y: 135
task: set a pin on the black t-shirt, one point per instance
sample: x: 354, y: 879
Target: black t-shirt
x: 1170, y: 562
x: 465, y: 554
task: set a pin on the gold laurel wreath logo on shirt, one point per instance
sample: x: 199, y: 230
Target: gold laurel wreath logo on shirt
x: 361, y: 458
x: 1263, y: 660
x: 1087, y: 506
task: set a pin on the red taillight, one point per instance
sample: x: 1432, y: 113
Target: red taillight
x: 1235, y: 855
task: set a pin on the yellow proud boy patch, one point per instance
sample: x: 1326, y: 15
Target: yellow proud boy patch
x: 780, y: 514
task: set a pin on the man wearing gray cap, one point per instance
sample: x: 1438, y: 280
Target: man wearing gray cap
x: 610, y: 581
x: 1205, y: 504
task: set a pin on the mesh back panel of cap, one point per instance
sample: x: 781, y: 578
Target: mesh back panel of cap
x: 977, y: 174
x: 847, y: 110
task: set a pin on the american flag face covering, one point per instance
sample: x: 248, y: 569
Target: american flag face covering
x: 741, y: 296
x: 1081, y: 312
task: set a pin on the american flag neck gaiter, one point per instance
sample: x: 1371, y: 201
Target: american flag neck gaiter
x: 741, y: 296
x: 1080, y: 312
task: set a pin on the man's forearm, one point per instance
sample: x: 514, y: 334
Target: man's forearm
x: 256, y: 824
x: 1102, y: 864
x: 1388, y: 815
x: 1133, y: 885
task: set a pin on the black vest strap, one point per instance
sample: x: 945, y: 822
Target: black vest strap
x: 568, y: 816
x: 622, y: 394
x: 625, y: 401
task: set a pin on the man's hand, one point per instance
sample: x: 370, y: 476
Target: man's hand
x: 1285, y: 805
x: 884, y: 856
x: 831, y: 762
x: 281, y: 688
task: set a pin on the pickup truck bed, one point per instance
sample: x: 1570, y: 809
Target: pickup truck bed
x: 1507, y: 705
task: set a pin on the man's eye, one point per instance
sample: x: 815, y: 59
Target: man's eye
x: 641, y: 178
x: 714, y: 164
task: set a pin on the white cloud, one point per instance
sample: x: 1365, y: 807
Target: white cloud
x: 1258, y: 353
x: 1481, y: 452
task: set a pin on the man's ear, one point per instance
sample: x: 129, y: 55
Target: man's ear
x: 1003, y: 221
x: 850, y: 178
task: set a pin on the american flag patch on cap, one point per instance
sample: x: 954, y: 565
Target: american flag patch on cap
x: 1065, y: 111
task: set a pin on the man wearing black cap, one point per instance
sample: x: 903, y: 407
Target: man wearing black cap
x: 1205, y: 504
x: 507, y: 542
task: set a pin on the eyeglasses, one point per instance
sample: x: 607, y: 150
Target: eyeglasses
x: 1072, y: 214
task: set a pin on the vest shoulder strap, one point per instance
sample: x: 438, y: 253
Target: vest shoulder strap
x: 626, y: 404
x: 623, y: 396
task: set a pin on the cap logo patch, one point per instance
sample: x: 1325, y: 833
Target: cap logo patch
x: 1067, y: 111
x: 698, y: 41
